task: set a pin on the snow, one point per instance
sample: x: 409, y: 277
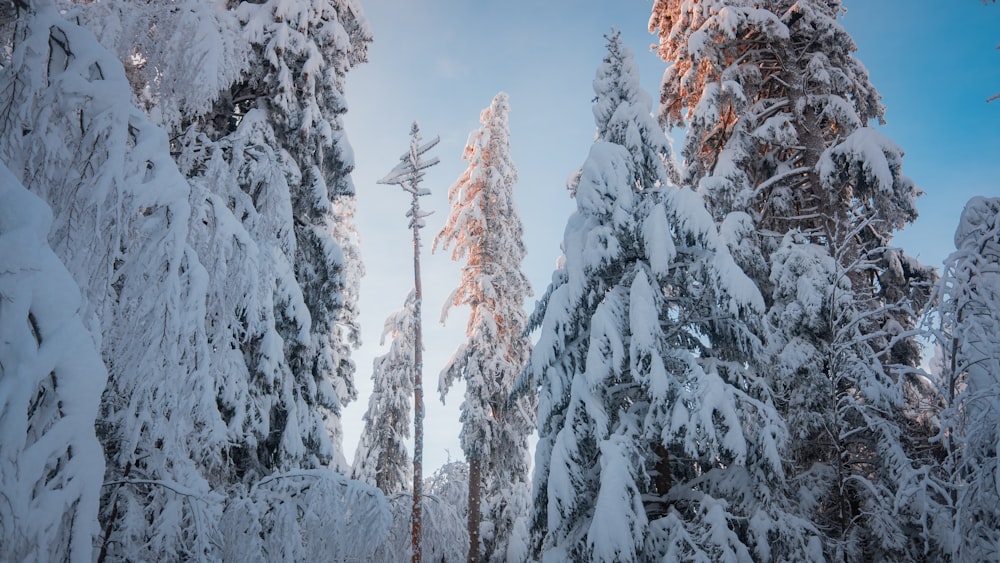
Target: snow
x: 613, y: 535
x: 872, y: 151
x: 51, y: 379
x: 659, y: 242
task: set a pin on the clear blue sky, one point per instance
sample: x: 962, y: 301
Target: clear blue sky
x: 441, y: 61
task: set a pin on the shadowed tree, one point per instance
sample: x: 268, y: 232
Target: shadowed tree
x: 382, y: 458
x: 967, y: 303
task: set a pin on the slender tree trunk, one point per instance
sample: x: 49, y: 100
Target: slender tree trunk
x: 407, y: 175
x: 475, y: 501
x: 418, y: 395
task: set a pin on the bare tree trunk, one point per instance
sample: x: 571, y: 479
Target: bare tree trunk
x: 475, y: 501
x: 418, y: 396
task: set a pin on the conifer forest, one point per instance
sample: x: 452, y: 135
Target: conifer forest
x: 729, y: 358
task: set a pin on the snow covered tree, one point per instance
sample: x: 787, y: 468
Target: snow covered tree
x: 450, y: 483
x: 382, y: 458
x: 180, y: 56
x: 275, y: 158
x: 305, y: 50
x: 241, y: 229
x: 444, y: 536
x: 407, y: 174
x: 246, y: 180
x: 241, y: 218
x: 70, y: 134
x: 304, y: 515
x: 51, y: 378
x: 657, y: 439
x: 262, y: 159
x: 777, y: 132
x: 967, y: 302
x: 856, y: 477
x: 190, y: 286
x: 777, y: 110
x: 486, y: 232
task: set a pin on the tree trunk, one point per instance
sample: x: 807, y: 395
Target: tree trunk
x: 475, y: 494
x: 418, y: 394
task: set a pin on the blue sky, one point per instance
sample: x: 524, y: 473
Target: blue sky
x: 440, y: 62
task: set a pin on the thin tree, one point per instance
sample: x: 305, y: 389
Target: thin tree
x: 486, y: 232
x: 407, y: 175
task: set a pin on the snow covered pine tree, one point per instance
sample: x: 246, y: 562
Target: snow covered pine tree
x: 967, y: 303
x: 120, y: 212
x: 654, y: 443
x: 809, y: 196
x: 304, y: 50
x: 382, y: 459
x: 485, y: 230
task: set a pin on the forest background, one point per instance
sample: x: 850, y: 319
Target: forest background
x: 441, y: 61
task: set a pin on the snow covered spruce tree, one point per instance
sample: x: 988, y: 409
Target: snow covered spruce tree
x: 251, y: 143
x: 283, y: 506
x: 272, y: 199
x: 182, y: 59
x: 304, y: 50
x: 967, y: 303
x: 777, y: 110
x: 227, y: 392
x: 654, y: 442
x: 120, y: 212
x: 269, y: 167
x: 486, y: 232
x: 382, y: 458
x: 51, y: 378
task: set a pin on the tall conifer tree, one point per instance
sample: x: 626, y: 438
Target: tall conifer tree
x: 778, y: 141
x: 306, y: 49
x: 486, y: 232
x: 654, y: 443
x: 407, y: 174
